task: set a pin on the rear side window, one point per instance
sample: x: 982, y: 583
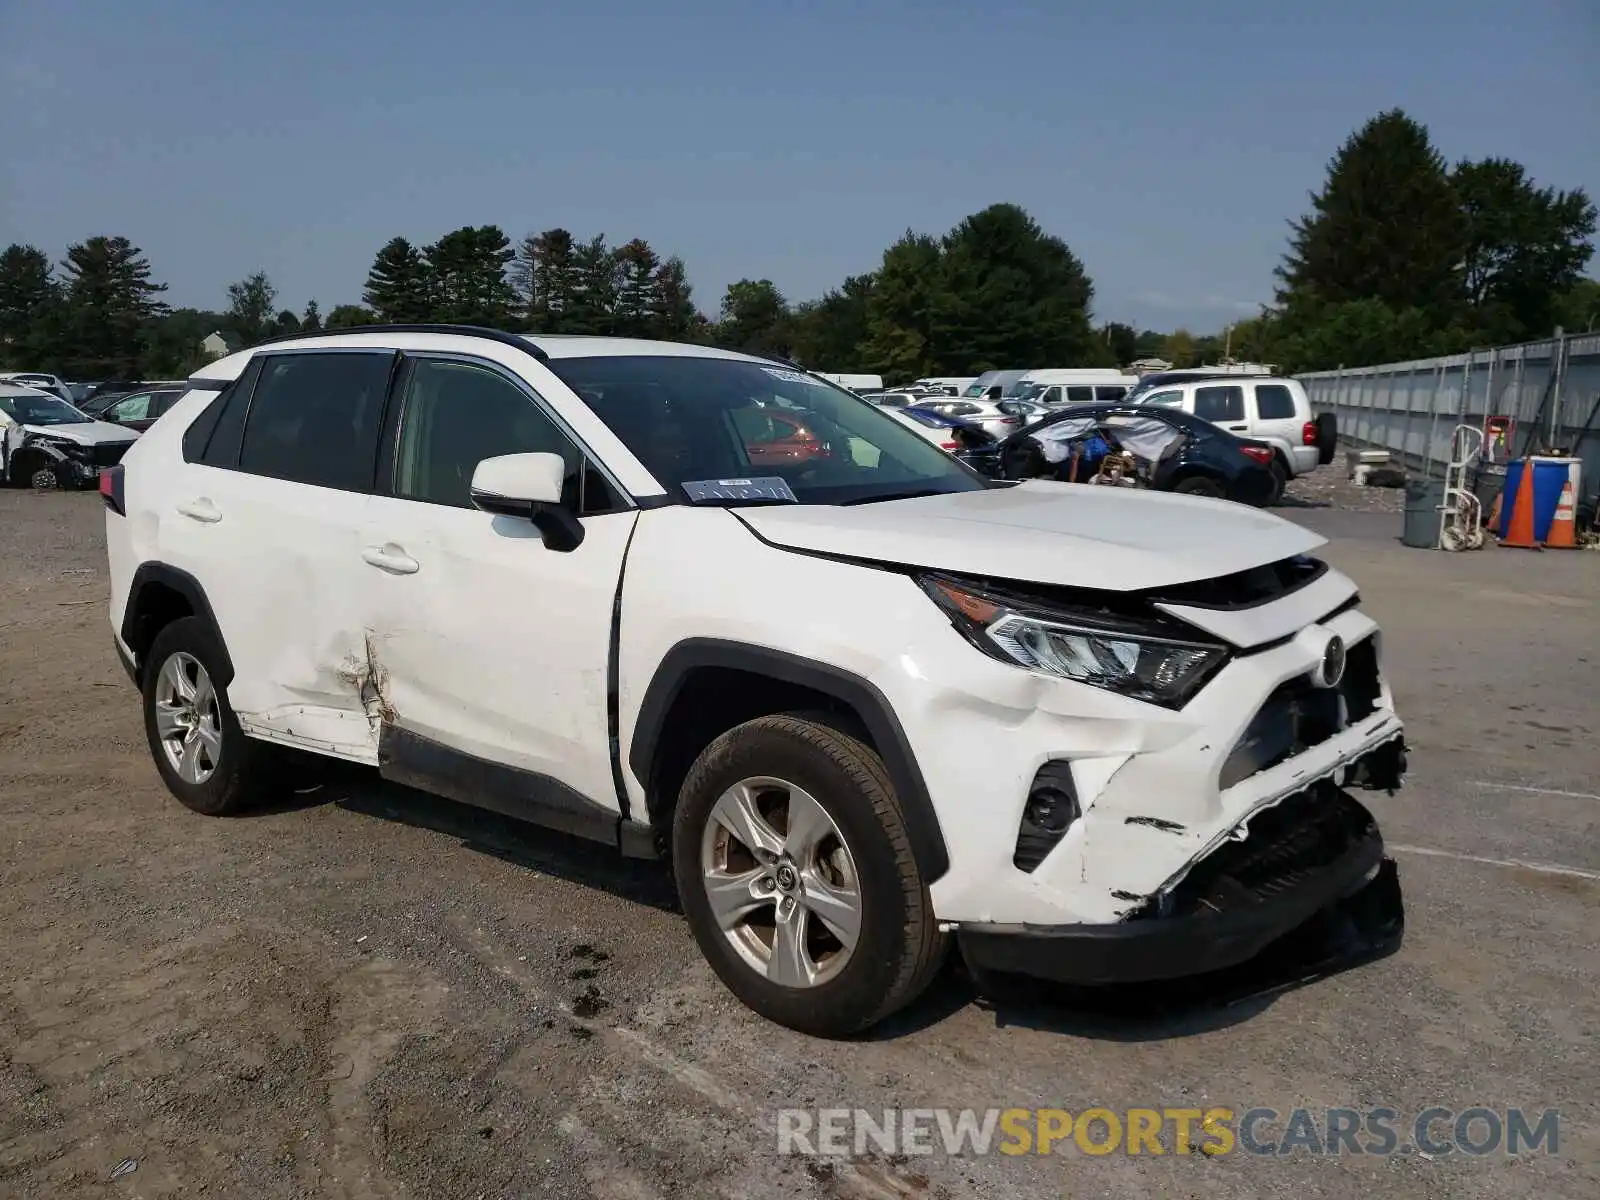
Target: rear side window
x: 1080, y: 395
x: 1109, y: 395
x: 314, y: 419
x: 1219, y: 403
x: 1274, y: 401
x: 213, y: 436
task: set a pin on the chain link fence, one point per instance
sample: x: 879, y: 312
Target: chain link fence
x: 1546, y: 395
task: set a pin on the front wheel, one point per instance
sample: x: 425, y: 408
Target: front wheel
x: 1280, y: 480
x: 795, y: 870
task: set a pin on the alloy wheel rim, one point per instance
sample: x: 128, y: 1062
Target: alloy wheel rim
x: 188, y: 720
x: 781, y: 881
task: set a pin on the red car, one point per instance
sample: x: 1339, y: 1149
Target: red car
x: 774, y: 438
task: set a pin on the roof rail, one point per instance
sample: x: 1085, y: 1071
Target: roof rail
x: 496, y: 335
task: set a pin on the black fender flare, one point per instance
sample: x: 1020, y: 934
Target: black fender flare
x: 187, y: 586
x: 859, y: 695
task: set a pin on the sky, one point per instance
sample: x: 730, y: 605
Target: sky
x: 1167, y: 142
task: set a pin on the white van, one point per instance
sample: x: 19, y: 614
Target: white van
x: 1088, y: 385
x: 993, y: 385
x: 855, y: 383
x: 950, y: 385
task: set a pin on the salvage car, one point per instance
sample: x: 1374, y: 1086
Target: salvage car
x: 866, y: 704
x: 1158, y: 449
x: 47, y: 443
x: 972, y: 444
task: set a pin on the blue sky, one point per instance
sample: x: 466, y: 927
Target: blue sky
x: 1167, y: 142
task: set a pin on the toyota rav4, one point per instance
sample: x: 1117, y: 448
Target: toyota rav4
x: 866, y: 702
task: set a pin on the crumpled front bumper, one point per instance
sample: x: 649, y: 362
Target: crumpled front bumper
x: 1317, y: 852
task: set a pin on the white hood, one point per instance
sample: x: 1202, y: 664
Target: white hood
x: 85, y: 433
x: 1041, y: 531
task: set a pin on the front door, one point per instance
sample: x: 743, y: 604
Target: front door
x: 490, y: 649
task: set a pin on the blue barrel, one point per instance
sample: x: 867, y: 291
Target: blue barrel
x: 1550, y: 475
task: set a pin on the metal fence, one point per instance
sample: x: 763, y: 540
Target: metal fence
x: 1549, y: 390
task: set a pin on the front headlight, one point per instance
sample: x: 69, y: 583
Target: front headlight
x: 1130, y: 657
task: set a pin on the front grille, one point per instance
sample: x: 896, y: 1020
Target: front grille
x: 1245, y: 589
x: 1298, y: 715
x: 1285, y: 845
x: 108, y: 454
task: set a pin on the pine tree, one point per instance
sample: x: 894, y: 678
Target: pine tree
x: 677, y: 319
x: 594, y: 288
x: 542, y: 276
x: 29, y: 306
x: 637, y: 311
x: 468, y: 270
x: 399, y: 286
x: 1386, y: 226
x: 110, y: 303
x: 311, y: 319
x: 755, y: 318
x: 250, y: 304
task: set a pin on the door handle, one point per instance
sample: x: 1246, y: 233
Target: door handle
x: 201, y: 510
x: 1239, y: 428
x: 391, y: 558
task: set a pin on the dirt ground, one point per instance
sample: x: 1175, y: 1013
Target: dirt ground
x: 367, y: 993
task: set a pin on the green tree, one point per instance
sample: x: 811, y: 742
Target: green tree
x: 311, y: 319
x: 637, y: 311
x: 468, y: 270
x: 677, y: 319
x: 284, y: 324
x: 755, y: 318
x: 1121, y: 341
x: 399, y: 286
x: 1526, y: 246
x: 1386, y: 226
x: 346, y: 316
x: 594, y: 287
x: 1149, y: 344
x: 1011, y: 295
x: 542, y: 274
x: 30, y: 308
x: 110, y: 302
x: 900, y: 310
x: 1578, y: 308
x: 829, y: 334
x: 172, y: 344
x: 1178, y: 348
x: 250, y: 304
x: 1363, y: 332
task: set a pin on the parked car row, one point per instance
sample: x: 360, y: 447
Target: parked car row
x: 870, y: 704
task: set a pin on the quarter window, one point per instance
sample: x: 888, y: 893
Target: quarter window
x: 1080, y: 395
x: 1109, y: 395
x: 1219, y: 403
x: 1274, y: 402
x: 314, y: 419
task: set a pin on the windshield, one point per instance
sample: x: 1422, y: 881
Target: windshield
x: 1028, y: 391
x: 693, y: 420
x: 41, y: 410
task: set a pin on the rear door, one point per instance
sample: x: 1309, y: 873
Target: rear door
x: 1221, y: 404
x: 268, y: 516
x: 1275, y: 418
x: 492, y: 648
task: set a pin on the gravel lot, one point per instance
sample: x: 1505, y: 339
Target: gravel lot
x: 368, y: 993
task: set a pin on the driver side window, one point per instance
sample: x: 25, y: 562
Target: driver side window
x: 131, y: 408
x: 456, y: 414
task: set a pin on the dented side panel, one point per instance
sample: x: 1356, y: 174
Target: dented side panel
x: 281, y: 563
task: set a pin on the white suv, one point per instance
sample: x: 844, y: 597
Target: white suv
x: 1268, y: 409
x: 863, y: 699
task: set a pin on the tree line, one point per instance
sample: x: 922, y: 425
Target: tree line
x: 1400, y: 256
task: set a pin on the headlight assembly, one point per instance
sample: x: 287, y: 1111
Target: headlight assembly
x: 1138, y: 659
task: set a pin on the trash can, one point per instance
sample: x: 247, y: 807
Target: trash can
x: 1424, y: 499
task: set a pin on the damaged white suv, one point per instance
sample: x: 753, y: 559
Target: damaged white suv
x: 864, y: 699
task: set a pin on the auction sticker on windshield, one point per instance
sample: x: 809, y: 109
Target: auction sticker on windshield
x: 765, y: 487
x: 793, y: 377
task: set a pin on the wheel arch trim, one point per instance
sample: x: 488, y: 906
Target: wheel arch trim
x: 187, y: 586
x: 858, y: 694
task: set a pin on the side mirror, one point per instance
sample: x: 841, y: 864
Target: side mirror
x: 528, y: 485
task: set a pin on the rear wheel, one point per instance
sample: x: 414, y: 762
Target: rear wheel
x: 1200, y: 485
x: 796, y: 873
x: 203, y: 756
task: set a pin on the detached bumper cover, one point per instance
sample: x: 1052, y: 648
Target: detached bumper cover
x: 1316, y: 852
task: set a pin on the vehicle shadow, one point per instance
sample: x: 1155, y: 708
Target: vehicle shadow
x: 360, y: 789
x: 1287, y: 501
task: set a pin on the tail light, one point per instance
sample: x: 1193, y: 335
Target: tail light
x: 111, y: 489
x: 1308, y: 434
x: 949, y: 447
x: 1260, y: 453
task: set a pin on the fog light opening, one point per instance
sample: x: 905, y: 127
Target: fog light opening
x: 1050, y: 810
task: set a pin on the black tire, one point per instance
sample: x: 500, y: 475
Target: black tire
x: 245, y: 767
x: 1327, y: 438
x: 1280, y: 479
x: 1201, y: 485
x: 899, y: 947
